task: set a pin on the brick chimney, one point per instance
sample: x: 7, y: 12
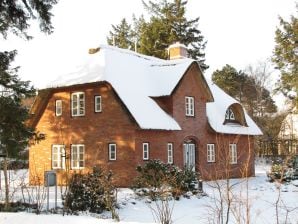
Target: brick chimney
x: 177, y: 51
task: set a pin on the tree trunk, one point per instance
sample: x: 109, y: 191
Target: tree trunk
x: 6, y: 184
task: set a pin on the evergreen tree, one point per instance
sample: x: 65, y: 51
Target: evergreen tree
x: 167, y: 24
x: 14, y: 134
x: 285, y: 55
x: 121, y: 36
x: 245, y: 88
x: 15, y: 16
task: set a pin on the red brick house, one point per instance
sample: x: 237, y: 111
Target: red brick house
x: 121, y: 109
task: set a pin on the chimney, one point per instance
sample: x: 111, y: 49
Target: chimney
x: 177, y: 51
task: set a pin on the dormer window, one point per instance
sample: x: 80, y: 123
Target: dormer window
x: 235, y: 115
x: 230, y: 116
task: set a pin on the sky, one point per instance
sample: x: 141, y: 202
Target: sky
x: 238, y: 32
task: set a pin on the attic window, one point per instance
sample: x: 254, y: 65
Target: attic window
x: 235, y: 114
x: 230, y: 116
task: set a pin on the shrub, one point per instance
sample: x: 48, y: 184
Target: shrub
x: 93, y: 192
x: 156, y: 178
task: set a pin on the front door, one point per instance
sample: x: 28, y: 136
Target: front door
x: 189, y: 155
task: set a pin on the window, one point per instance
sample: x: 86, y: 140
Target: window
x: 97, y: 103
x: 189, y: 106
x: 230, y: 115
x: 112, y: 151
x: 58, y: 107
x: 77, y: 156
x: 78, y: 104
x: 210, y: 153
x: 145, y: 151
x: 58, y: 157
x: 170, y: 153
x: 233, y: 154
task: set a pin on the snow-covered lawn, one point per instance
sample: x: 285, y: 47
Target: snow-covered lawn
x: 261, y: 203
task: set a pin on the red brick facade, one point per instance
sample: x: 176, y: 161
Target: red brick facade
x: 116, y: 125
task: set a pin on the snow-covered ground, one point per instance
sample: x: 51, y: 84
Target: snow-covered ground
x: 262, y: 197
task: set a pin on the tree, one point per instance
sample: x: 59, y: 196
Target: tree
x: 122, y: 35
x: 167, y: 24
x: 285, y: 55
x: 14, y: 18
x: 246, y: 89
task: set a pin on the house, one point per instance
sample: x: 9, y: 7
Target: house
x: 121, y: 109
x: 288, y: 134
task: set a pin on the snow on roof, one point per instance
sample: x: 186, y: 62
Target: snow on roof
x: 136, y: 78
x: 216, y: 114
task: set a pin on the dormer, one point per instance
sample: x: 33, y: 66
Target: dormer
x: 235, y: 115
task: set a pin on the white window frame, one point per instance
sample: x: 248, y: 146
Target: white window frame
x: 78, y: 105
x: 97, y: 104
x: 233, y: 153
x: 210, y: 153
x: 77, y: 156
x: 112, y: 150
x: 60, y: 156
x: 189, y: 106
x: 146, y: 151
x: 170, y: 153
x: 230, y: 115
x: 58, y: 107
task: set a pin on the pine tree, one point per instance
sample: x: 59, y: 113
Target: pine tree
x: 14, y: 18
x: 245, y: 88
x: 14, y: 134
x: 167, y: 24
x: 121, y: 36
x: 285, y: 55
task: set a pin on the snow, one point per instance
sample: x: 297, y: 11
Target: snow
x: 216, y: 114
x: 262, y: 196
x: 137, y: 78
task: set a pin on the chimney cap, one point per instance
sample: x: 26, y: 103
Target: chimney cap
x: 177, y: 51
x: 176, y: 45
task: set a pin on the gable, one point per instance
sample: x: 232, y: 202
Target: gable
x: 216, y: 112
x: 201, y: 82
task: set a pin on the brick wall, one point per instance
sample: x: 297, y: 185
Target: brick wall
x: 115, y: 125
x: 94, y: 130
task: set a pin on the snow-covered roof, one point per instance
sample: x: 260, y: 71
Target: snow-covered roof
x: 150, y: 76
x: 137, y: 78
x: 216, y: 114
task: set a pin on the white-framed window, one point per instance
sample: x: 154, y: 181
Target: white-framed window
x: 77, y: 156
x: 58, y: 157
x: 189, y: 106
x: 58, y: 105
x: 112, y: 151
x: 233, y: 153
x: 210, y: 153
x: 145, y: 151
x: 170, y: 153
x: 230, y: 115
x: 97, y: 103
x: 78, y: 104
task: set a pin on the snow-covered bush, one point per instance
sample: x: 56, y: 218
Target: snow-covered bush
x: 157, y: 179
x: 93, y: 192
